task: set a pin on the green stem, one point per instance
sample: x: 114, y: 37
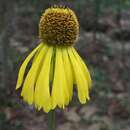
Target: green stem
x: 51, y: 120
x: 51, y: 116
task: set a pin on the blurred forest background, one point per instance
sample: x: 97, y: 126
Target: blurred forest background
x: 104, y: 43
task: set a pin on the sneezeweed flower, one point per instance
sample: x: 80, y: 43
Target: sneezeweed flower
x: 55, y: 64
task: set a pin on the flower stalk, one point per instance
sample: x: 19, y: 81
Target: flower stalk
x: 51, y: 120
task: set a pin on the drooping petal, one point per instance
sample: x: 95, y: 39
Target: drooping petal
x: 68, y: 72
x: 42, y: 89
x: 84, y: 68
x: 60, y: 94
x: 28, y: 86
x: 52, y: 65
x: 81, y: 82
x: 24, y: 65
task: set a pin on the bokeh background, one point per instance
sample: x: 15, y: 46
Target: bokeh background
x: 104, y: 44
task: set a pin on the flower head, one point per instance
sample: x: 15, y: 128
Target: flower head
x: 55, y: 64
x: 59, y: 25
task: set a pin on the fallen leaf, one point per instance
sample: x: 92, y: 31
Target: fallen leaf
x: 72, y: 115
x: 65, y: 126
x: 88, y: 111
x: 95, y: 127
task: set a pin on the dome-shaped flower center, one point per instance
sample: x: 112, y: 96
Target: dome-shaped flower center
x: 59, y: 26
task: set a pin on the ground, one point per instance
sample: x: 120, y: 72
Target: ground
x: 108, y: 60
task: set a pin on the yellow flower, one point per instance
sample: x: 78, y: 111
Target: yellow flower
x: 55, y: 64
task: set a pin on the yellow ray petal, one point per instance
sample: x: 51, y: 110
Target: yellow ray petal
x: 81, y: 82
x: 84, y: 68
x: 68, y: 72
x: 42, y: 90
x: 28, y: 86
x: 60, y: 94
x: 36, y: 54
x: 23, y: 66
x: 52, y: 66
